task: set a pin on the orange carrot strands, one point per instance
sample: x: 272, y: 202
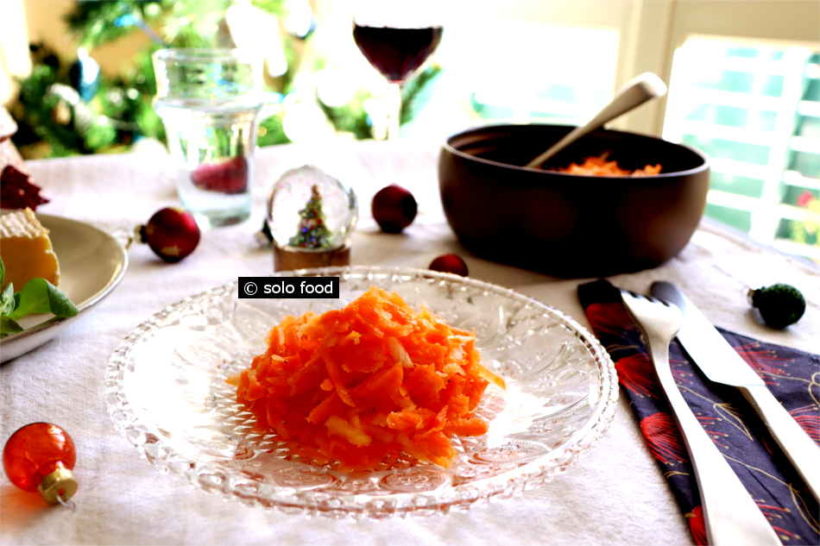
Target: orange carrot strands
x: 600, y: 166
x: 368, y: 384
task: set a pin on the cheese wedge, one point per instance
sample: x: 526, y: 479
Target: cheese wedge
x: 26, y: 249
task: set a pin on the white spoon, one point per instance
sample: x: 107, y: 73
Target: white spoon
x: 640, y: 89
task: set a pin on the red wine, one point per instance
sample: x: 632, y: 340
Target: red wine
x: 396, y: 52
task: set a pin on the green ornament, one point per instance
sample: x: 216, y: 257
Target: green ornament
x: 779, y: 304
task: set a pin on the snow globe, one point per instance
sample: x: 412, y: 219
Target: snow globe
x: 311, y: 216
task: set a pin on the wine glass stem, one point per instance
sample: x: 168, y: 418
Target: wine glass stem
x: 394, y: 123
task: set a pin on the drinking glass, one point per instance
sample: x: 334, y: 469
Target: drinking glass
x: 396, y: 37
x: 209, y: 101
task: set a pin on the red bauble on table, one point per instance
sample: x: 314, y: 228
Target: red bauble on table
x: 394, y: 208
x: 230, y: 176
x: 450, y: 263
x: 40, y: 457
x: 172, y: 233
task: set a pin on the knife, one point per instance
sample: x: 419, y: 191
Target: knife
x: 721, y: 364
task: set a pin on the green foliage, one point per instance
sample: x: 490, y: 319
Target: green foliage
x: 353, y: 118
x: 97, y: 23
x: 271, y: 132
x: 350, y: 118
x: 99, y: 135
x: 182, y: 23
x: 413, y: 94
x: 121, y: 110
x: 195, y: 23
x: 39, y: 116
x: 273, y: 6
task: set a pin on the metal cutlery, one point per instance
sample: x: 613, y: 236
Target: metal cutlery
x: 731, y: 515
x: 721, y: 364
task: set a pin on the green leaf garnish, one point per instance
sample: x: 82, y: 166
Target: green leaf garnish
x: 9, y: 326
x: 37, y: 296
x: 40, y: 296
x: 7, y: 301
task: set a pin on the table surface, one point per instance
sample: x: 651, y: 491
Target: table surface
x: 613, y: 495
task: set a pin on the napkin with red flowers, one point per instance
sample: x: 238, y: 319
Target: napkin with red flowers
x: 792, y: 376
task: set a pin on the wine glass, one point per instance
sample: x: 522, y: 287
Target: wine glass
x: 396, y: 37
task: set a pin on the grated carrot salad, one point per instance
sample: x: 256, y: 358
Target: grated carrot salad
x: 368, y: 383
x: 600, y: 166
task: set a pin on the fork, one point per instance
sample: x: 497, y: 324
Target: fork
x: 731, y: 515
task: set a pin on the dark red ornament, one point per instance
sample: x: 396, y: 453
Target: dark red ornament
x: 40, y: 457
x: 229, y: 176
x: 394, y: 208
x: 172, y: 233
x: 450, y: 263
x: 17, y: 191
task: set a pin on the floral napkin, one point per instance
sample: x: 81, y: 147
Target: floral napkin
x: 792, y: 376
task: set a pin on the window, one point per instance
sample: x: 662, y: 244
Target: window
x: 755, y: 111
x: 549, y: 88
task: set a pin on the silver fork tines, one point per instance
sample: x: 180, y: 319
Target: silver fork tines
x: 730, y: 513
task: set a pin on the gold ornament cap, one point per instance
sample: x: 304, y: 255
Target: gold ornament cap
x: 59, y: 485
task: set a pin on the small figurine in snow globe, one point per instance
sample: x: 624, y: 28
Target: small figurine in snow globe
x: 311, y: 216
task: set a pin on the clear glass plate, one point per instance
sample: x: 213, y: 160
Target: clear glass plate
x: 166, y: 392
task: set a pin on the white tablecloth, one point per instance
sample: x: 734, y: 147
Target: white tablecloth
x: 614, y: 494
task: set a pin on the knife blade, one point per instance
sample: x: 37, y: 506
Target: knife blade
x: 721, y: 364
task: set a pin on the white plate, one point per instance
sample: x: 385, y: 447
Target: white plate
x: 92, y: 263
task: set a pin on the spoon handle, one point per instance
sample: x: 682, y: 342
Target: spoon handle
x: 640, y: 89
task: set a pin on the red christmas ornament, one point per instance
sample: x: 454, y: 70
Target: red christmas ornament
x: 394, y: 208
x: 17, y: 191
x: 230, y: 176
x: 450, y: 263
x: 172, y: 233
x: 40, y: 457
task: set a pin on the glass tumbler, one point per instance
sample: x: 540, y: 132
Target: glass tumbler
x: 209, y: 101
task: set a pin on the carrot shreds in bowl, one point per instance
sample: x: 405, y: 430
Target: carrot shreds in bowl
x: 601, y: 166
x: 368, y: 384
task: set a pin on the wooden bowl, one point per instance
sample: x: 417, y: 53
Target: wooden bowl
x: 569, y: 225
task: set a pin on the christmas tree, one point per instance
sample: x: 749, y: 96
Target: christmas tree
x: 312, y: 233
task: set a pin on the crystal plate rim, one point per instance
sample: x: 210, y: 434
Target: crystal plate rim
x: 526, y: 477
